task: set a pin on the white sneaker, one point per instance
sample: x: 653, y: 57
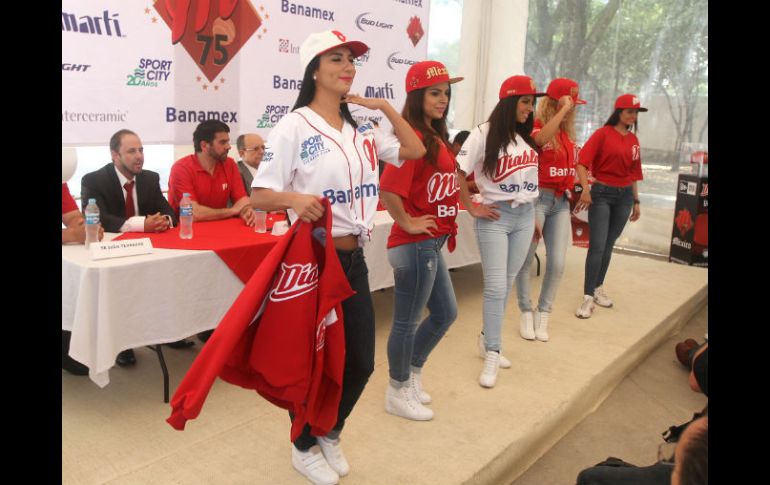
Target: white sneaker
x: 601, y: 298
x: 586, y: 308
x: 527, y: 326
x: 541, y: 326
x: 332, y: 451
x: 488, y: 375
x: 415, y: 382
x: 504, y: 363
x: 313, y: 466
x: 402, y: 402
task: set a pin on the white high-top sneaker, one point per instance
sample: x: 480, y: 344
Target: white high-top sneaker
x: 601, y: 298
x: 402, y: 402
x: 313, y: 466
x: 488, y: 375
x: 541, y: 326
x: 504, y: 363
x: 415, y: 381
x: 332, y: 451
x: 527, y: 326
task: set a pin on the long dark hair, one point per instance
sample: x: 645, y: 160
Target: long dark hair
x: 614, y: 119
x: 414, y: 114
x: 502, y: 126
x: 307, y: 92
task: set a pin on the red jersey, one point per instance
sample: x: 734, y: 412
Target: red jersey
x: 556, y: 168
x: 612, y: 158
x: 68, y: 204
x: 283, y: 335
x: 214, y: 191
x: 425, y: 189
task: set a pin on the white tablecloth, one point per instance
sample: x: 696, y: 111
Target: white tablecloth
x: 124, y: 303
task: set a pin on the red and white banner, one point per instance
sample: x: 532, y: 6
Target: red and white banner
x: 161, y: 67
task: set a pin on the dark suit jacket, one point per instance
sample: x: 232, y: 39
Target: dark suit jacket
x: 104, y: 186
x: 246, y: 176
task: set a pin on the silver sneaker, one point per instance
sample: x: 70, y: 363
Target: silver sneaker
x: 586, y: 308
x: 601, y: 298
x: 504, y: 362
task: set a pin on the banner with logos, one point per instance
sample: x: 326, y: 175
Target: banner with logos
x: 161, y: 67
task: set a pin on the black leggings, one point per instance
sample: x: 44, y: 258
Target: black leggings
x: 358, y: 318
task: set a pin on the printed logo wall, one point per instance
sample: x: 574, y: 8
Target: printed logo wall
x: 159, y: 68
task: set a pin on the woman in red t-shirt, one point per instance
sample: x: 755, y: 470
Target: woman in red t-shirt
x: 612, y: 154
x: 422, y: 197
x: 554, y: 133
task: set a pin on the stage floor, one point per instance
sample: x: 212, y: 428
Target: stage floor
x: 118, y: 435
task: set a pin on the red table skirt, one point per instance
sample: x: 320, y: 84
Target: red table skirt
x: 235, y: 243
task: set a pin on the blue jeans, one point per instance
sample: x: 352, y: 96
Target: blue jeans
x: 607, y: 216
x: 421, y: 277
x: 553, y: 216
x: 503, y: 245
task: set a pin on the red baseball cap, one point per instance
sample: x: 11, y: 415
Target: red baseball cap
x: 519, y: 86
x: 628, y: 101
x: 427, y: 73
x: 321, y: 42
x: 561, y: 86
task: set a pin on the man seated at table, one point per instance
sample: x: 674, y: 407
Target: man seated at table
x: 251, y: 148
x: 210, y: 177
x: 212, y: 180
x: 129, y: 200
x: 75, y: 232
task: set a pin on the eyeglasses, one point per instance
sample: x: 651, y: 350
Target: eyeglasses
x: 254, y: 149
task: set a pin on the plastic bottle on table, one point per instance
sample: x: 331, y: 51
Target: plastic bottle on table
x: 185, y: 217
x: 92, y: 222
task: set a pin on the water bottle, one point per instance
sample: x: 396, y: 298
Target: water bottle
x: 185, y: 217
x: 92, y: 222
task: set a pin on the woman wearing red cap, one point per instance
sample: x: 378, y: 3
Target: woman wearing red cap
x: 554, y: 133
x: 318, y: 150
x: 612, y: 155
x: 422, y: 198
x: 504, y: 159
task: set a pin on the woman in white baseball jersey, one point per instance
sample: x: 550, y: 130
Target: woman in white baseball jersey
x: 554, y: 133
x: 318, y: 150
x: 504, y: 160
x: 422, y: 198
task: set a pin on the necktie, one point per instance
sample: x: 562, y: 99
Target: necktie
x: 129, y: 186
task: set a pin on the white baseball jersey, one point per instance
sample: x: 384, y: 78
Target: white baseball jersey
x: 515, y: 175
x: 304, y: 154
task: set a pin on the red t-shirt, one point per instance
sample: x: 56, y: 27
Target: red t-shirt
x: 424, y: 189
x: 612, y: 158
x: 68, y: 204
x: 214, y: 191
x: 556, y: 168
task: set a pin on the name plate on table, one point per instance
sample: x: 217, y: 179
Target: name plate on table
x: 119, y: 249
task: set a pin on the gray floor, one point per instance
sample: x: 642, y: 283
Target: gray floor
x: 629, y: 423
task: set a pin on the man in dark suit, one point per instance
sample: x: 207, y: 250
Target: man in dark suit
x: 147, y: 210
x: 251, y: 148
x: 129, y: 200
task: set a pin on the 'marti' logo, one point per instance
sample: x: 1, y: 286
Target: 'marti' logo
x: 212, y: 32
x: 295, y: 280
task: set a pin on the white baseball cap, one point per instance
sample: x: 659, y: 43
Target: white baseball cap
x: 320, y: 42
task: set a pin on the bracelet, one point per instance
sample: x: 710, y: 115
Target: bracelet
x: 636, y: 201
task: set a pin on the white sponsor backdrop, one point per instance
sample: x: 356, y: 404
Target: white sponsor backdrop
x: 121, y: 70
